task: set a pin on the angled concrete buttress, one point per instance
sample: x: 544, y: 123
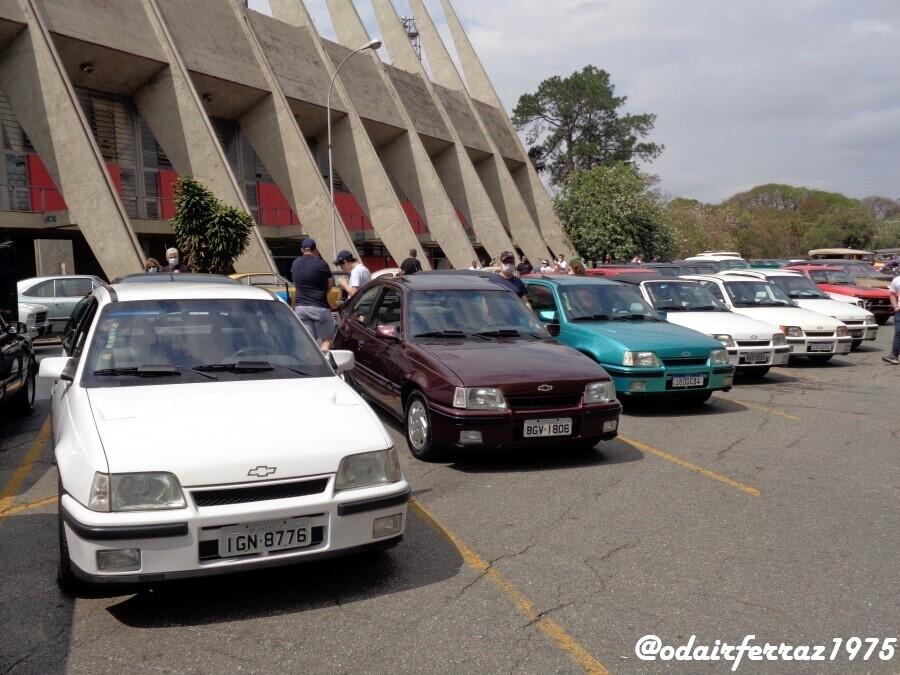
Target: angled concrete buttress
x: 406, y: 158
x: 453, y: 164
x: 493, y: 171
x: 175, y: 114
x: 354, y: 155
x: 34, y: 79
x: 533, y: 191
x: 274, y: 133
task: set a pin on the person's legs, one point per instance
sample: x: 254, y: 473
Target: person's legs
x: 895, y: 349
x: 324, y: 328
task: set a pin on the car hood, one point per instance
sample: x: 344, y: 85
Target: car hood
x: 214, y: 433
x: 664, y: 338
x: 856, y: 291
x: 790, y: 316
x: 724, y: 323
x: 517, y: 367
x: 841, y: 311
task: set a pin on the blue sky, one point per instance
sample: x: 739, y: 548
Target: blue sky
x: 804, y: 92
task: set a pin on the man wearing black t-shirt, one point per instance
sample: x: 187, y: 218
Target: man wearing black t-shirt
x: 507, y: 277
x: 312, y: 279
x: 411, y: 265
x: 524, y: 267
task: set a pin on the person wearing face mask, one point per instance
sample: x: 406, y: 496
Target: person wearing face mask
x: 175, y: 266
x: 151, y: 266
x: 507, y: 277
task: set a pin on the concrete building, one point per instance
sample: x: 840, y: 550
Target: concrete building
x: 104, y: 103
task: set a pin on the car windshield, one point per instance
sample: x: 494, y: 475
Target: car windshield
x: 682, y: 296
x: 467, y: 314
x: 840, y: 278
x: 172, y: 341
x: 756, y: 294
x: 863, y: 270
x: 798, y: 288
x: 605, y: 302
x: 734, y: 264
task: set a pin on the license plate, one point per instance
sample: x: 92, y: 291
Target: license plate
x: 755, y: 357
x: 559, y: 426
x: 273, y: 535
x: 688, y: 381
x: 821, y: 346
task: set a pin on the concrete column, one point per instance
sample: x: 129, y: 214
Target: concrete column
x: 526, y: 177
x: 453, y: 166
x: 406, y: 158
x: 276, y: 137
x: 34, y: 79
x: 497, y: 179
x: 172, y: 108
x: 355, y: 157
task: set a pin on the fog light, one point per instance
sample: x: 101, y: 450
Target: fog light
x: 610, y: 425
x: 728, y: 381
x: 119, y: 560
x: 386, y: 526
x: 637, y: 386
x: 470, y: 437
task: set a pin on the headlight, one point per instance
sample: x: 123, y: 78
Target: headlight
x: 479, y: 398
x: 368, y: 468
x: 640, y: 359
x: 778, y: 340
x: 599, y: 392
x: 725, y: 340
x: 792, y: 331
x: 718, y: 357
x: 135, y: 492
x: 842, y: 331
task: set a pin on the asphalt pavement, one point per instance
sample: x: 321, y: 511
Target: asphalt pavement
x: 771, y: 511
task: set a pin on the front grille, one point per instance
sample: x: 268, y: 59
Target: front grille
x: 819, y: 333
x: 685, y: 361
x: 41, y: 317
x: 209, y: 549
x: 258, y: 493
x: 753, y: 343
x: 543, y: 402
x: 855, y: 323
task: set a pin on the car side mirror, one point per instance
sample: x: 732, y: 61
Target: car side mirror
x: 343, y: 360
x: 58, y: 368
x: 387, y: 331
x: 17, y: 328
x: 553, y: 329
x: 548, y: 316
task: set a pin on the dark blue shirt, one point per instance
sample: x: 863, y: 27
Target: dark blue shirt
x: 515, y: 284
x: 310, y: 275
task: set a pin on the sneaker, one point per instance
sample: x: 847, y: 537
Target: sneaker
x: 893, y: 360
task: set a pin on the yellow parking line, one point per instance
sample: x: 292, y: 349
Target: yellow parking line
x: 526, y: 607
x: 8, y: 495
x: 690, y: 466
x: 762, y: 408
x: 19, y: 508
x: 799, y: 375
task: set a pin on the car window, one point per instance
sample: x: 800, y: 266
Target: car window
x: 73, y: 288
x: 467, y: 313
x: 798, y: 287
x: 756, y: 294
x: 595, y: 302
x: 41, y: 290
x: 541, y: 298
x: 714, y: 290
x: 681, y: 296
x: 265, y: 280
x: 362, y: 308
x: 389, y: 311
x: 81, y: 320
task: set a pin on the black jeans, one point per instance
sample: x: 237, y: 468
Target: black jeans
x: 895, y: 349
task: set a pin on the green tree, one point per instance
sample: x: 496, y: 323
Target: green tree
x: 575, y: 123
x: 210, y: 235
x: 850, y: 227
x: 610, y: 210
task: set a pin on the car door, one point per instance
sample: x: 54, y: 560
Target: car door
x: 354, y: 334
x: 68, y: 291
x: 76, y: 344
x: 9, y: 371
x: 43, y: 293
x: 543, y: 304
x: 383, y: 350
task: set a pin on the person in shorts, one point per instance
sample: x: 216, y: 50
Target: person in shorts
x: 894, y: 357
x: 312, y: 278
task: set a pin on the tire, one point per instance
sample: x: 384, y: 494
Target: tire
x: 23, y: 404
x: 820, y: 358
x: 417, y: 423
x: 583, y: 446
x: 855, y: 344
x: 882, y: 319
x: 754, y: 372
x: 697, y: 397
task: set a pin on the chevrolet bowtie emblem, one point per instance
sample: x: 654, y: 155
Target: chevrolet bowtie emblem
x: 545, y: 387
x: 262, y: 471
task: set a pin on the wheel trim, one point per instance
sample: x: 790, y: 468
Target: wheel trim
x: 417, y: 424
x: 30, y: 388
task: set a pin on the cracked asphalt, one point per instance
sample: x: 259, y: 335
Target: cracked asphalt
x: 608, y: 546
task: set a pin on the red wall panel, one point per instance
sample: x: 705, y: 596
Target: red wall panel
x: 167, y: 193
x: 44, y: 194
x: 274, y: 208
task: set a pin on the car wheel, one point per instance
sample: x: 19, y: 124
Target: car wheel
x: 583, y: 446
x: 418, y: 428
x: 854, y: 345
x: 754, y: 372
x: 697, y: 397
x: 881, y: 319
x: 24, y: 402
x: 820, y: 358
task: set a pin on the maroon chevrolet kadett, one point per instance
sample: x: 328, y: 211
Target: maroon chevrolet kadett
x: 465, y: 364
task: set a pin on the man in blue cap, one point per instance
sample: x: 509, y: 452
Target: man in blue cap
x: 312, y: 278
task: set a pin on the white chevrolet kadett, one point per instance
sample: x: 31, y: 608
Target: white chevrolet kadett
x: 807, y: 333
x: 753, y: 346
x: 198, y: 429
x: 861, y: 322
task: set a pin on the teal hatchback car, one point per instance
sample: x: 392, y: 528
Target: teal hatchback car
x: 645, y: 355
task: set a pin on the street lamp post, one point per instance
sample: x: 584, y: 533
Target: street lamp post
x: 372, y: 44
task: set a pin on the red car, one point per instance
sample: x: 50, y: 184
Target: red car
x: 464, y: 364
x: 616, y: 271
x: 837, y: 280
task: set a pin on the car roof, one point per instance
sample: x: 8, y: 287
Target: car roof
x: 450, y: 280
x: 181, y: 277
x: 183, y: 291
x: 815, y: 268
x: 639, y: 278
x: 765, y: 273
x: 34, y: 280
x: 572, y: 279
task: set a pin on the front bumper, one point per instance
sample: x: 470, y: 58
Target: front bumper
x: 801, y: 346
x: 637, y: 382
x: 184, y: 542
x: 505, y: 429
x: 749, y: 357
x: 863, y: 331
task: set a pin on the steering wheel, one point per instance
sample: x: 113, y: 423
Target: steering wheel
x: 253, y: 350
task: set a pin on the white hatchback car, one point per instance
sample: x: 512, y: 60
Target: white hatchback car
x: 198, y: 429
x: 808, y: 333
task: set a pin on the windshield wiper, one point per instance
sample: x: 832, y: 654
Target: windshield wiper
x: 139, y: 371
x: 235, y: 367
x: 500, y: 333
x: 441, y: 333
x: 591, y: 317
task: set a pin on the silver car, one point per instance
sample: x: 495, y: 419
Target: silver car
x: 58, y: 294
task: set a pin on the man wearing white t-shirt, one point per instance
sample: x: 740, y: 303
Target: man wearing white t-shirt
x: 894, y: 358
x: 359, y: 273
